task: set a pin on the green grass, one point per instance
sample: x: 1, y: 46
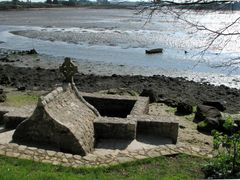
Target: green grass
x: 178, y: 167
x: 190, y: 117
x: 172, y: 110
x: 20, y: 100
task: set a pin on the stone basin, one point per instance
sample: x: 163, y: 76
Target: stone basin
x: 77, y: 122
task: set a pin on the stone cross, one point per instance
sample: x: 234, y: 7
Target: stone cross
x: 68, y: 69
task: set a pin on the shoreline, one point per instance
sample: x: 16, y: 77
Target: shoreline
x: 33, y: 73
x: 41, y: 6
x: 166, y: 89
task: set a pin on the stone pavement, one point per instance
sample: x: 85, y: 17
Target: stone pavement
x: 96, y: 158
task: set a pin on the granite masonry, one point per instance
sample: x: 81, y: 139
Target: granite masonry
x: 60, y: 121
x: 68, y: 127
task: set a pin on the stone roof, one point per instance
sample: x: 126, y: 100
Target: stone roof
x: 61, y: 121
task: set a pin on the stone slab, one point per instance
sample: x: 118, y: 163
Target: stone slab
x: 161, y: 126
x: 119, y: 128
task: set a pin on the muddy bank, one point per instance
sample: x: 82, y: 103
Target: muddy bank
x: 166, y: 89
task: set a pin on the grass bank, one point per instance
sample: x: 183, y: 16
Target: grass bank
x: 22, y: 98
x: 178, y: 167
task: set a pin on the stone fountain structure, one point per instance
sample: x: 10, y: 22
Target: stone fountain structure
x: 72, y: 122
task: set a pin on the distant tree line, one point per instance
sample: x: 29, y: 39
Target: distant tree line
x: 61, y: 2
x: 68, y: 2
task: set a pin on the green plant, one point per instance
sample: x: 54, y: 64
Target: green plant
x: 171, y: 110
x: 174, y: 167
x: 226, y: 162
x: 202, y: 124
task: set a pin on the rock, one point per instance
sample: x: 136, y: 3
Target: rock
x: 114, y: 75
x: 6, y: 59
x: 32, y: 51
x: 169, y: 102
x: 150, y: 93
x: 3, y: 96
x: 208, y: 125
x: 204, y: 112
x: 5, y: 80
x: 154, y: 51
x: 217, y: 104
x: 182, y: 127
x: 38, y: 68
x: 235, y: 117
x: 21, y: 88
x: 184, y: 108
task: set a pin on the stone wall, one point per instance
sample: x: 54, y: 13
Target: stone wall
x: 111, y: 107
x: 160, y: 126
x: 127, y: 105
x: 115, y: 128
x: 94, y: 159
x: 61, y: 121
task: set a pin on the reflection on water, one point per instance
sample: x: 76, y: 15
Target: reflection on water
x: 121, y: 46
x: 172, y: 59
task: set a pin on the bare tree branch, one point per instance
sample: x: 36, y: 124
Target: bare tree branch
x: 218, y: 37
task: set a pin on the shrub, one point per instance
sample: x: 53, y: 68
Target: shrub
x: 226, y: 162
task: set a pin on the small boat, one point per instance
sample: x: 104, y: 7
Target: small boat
x: 154, y: 51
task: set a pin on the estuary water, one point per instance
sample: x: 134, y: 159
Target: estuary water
x: 115, y: 40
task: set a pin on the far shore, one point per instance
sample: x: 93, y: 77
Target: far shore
x: 39, y: 5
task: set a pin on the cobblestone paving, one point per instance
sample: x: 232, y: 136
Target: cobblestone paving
x: 96, y: 159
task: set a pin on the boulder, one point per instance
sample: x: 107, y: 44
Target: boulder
x: 184, y: 108
x: 150, y: 93
x: 32, y: 51
x: 21, y: 88
x: 204, y: 112
x: 217, y: 104
x: 208, y: 125
x: 169, y: 102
